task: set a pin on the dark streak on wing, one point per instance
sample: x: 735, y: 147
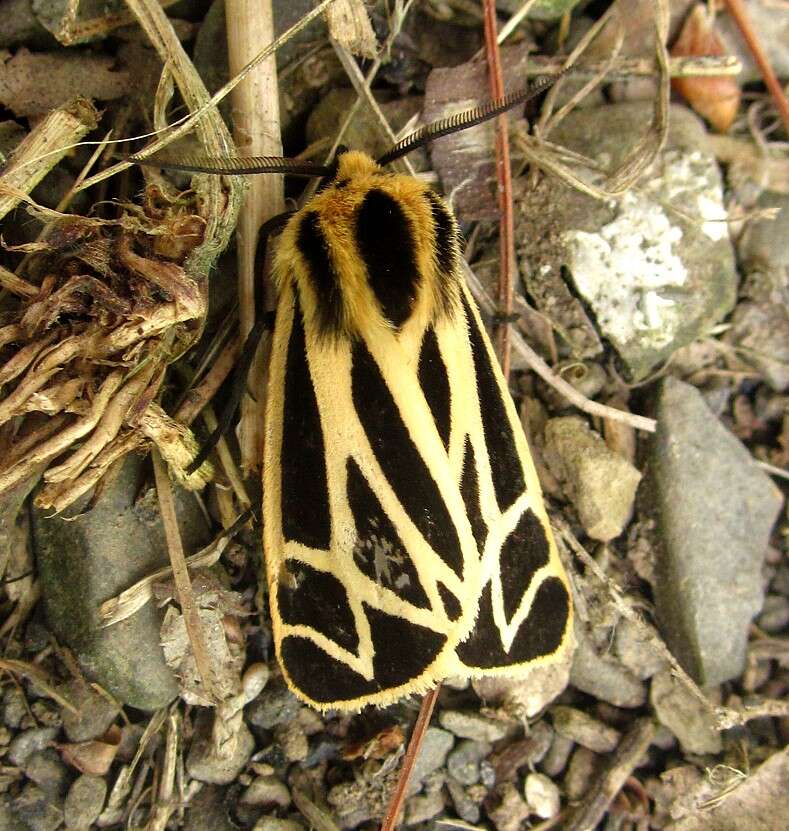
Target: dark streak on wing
x: 469, y: 490
x: 434, y: 382
x: 539, y: 634
x: 451, y: 603
x: 524, y: 551
x: 314, y: 248
x: 386, y: 244
x: 402, y: 652
x: 305, y: 492
x: 319, y: 600
x: 379, y: 552
x: 505, y: 464
x: 400, y: 460
x: 447, y: 239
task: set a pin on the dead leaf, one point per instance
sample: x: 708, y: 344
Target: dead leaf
x: 93, y: 757
x: 716, y: 98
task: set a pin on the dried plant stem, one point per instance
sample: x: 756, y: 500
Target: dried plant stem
x: 16, y: 285
x: 256, y: 130
x: 33, y: 159
x: 536, y: 363
x: 504, y: 176
x: 607, y: 785
x: 624, y: 67
x: 166, y: 802
x: 183, y: 583
x: 409, y: 760
x: 740, y: 14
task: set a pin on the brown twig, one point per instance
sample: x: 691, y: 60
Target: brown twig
x: 739, y: 13
x: 181, y: 579
x: 504, y: 175
x: 409, y: 760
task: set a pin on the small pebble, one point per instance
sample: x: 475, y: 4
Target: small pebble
x: 14, y: 707
x: 84, y: 802
x: 432, y: 755
x: 510, y: 810
x: 584, y: 730
x: 466, y: 801
x: 94, y: 715
x: 293, y: 741
x: 556, y: 758
x: 266, y: 790
x: 542, y: 796
x: 38, y: 812
x: 604, y: 678
x: 276, y: 824
x: 46, y: 769
x: 28, y: 742
x: 635, y: 651
x: 463, y: 761
x: 254, y: 680
x: 275, y: 705
x: 774, y: 616
x: 583, y: 766
x: 687, y: 718
x: 471, y: 725
x: 424, y: 807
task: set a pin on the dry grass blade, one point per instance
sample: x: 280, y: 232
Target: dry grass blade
x: 40, y: 678
x: 165, y: 802
x: 350, y: 26
x: 183, y: 583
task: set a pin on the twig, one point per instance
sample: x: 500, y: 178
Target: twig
x: 739, y: 13
x: 165, y: 802
x: 504, y: 176
x: 40, y: 678
x: 604, y: 789
x: 512, y: 24
x: 31, y: 160
x: 773, y: 470
x: 536, y: 363
x: 409, y: 760
x: 256, y: 130
x: 181, y: 579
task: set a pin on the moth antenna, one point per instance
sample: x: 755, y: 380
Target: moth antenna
x: 468, y: 118
x: 233, y: 165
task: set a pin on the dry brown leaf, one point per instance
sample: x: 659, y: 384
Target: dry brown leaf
x: 350, y: 26
x: 93, y: 757
x: 716, y: 98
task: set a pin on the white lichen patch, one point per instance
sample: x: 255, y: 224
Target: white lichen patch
x: 631, y: 271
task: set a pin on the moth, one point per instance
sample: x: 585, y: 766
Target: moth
x: 404, y: 530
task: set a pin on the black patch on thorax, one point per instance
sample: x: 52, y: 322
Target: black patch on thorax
x: 314, y: 248
x: 386, y: 244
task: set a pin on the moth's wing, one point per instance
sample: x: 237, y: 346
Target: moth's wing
x: 372, y: 567
x: 524, y: 611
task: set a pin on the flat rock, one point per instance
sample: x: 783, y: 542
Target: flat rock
x: 84, y: 802
x: 715, y: 509
x: 655, y: 266
x: 684, y: 715
x: 84, y: 561
x: 603, y: 677
x: 600, y: 483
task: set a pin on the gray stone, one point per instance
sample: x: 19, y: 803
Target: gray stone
x: 635, y: 651
x: 266, y: 790
x: 466, y: 805
x: 275, y: 705
x: 770, y: 22
x: 38, y: 811
x: 207, y: 811
x: 47, y: 770
x: 9, y: 819
x: 29, y: 742
x: 277, y: 824
x: 84, y: 561
x: 600, y: 483
x: 558, y: 753
x: 432, y: 755
x: 603, y: 677
x: 584, y: 764
x: 424, y: 807
x: 715, y: 510
x: 682, y: 713
x: 760, y: 323
x: 84, y: 802
x: 14, y: 708
x: 473, y: 725
x: 584, y: 730
x: 530, y: 694
x: 463, y: 761
x: 542, y: 795
x: 217, y: 766
x: 511, y: 810
x: 656, y: 265
x: 95, y: 713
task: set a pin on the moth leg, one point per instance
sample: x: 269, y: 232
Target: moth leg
x: 264, y: 320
